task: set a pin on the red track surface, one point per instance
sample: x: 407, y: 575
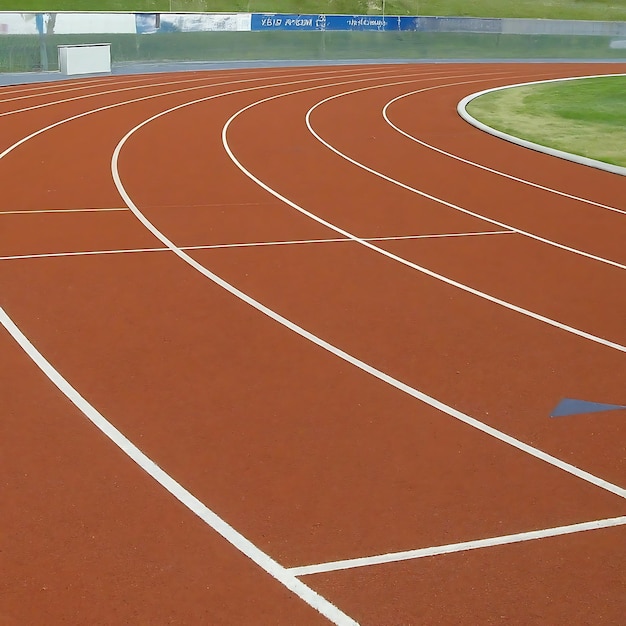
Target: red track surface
x: 308, y: 456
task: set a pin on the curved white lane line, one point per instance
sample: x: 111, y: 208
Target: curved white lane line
x: 569, y: 156
x: 484, y: 167
x: 95, y: 94
x: 451, y: 205
x: 74, y: 86
x: 31, y: 88
x: 305, y: 334
x: 260, y: 558
x: 340, y: 619
x: 185, y: 497
x: 160, y: 95
x: 41, y: 92
x: 394, y: 257
x: 208, y: 84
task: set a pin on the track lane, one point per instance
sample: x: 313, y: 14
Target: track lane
x: 16, y: 99
x: 528, y: 350
x: 598, y: 285
x: 479, y: 166
x: 451, y: 133
x: 57, y: 232
x: 617, y: 322
x: 67, y: 205
x: 575, y: 580
x: 34, y: 118
x: 560, y: 286
x: 394, y: 609
x: 52, y: 157
x: 24, y: 91
x: 196, y: 381
x: 89, y: 537
x: 341, y: 619
x: 270, y: 171
x: 472, y: 360
x: 511, y: 204
x: 120, y: 303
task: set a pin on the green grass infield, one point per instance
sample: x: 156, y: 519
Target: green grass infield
x: 586, y: 117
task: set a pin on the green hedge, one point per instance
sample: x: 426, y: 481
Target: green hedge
x: 22, y: 52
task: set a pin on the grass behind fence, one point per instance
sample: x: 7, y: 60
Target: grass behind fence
x: 553, y: 9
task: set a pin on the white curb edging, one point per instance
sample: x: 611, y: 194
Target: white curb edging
x: 462, y: 111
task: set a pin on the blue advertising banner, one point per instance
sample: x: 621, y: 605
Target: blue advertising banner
x: 287, y: 21
x: 361, y: 22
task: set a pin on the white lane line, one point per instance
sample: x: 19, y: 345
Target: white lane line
x: 338, y: 352
x: 484, y: 167
x: 100, y: 93
x: 252, y: 244
x: 31, y: 88
x: 133, y: 87
x: 451, y: 205
x: 58, y: 255
x: 316, y: 76
x: 263, y: 560
x: 212, y: 205
x: 408, y: 555
x: 37, y: 211
x: 67, y: 87
x: 208, y: 84
x: 208, y: 516
x: 395, y: 257
x: 140, y: 81
x: 38, y: 86
x: 160, y: 206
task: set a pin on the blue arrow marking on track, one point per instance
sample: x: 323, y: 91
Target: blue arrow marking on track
x: 570, y: 406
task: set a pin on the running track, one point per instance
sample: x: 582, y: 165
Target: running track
x: 335, y: 340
